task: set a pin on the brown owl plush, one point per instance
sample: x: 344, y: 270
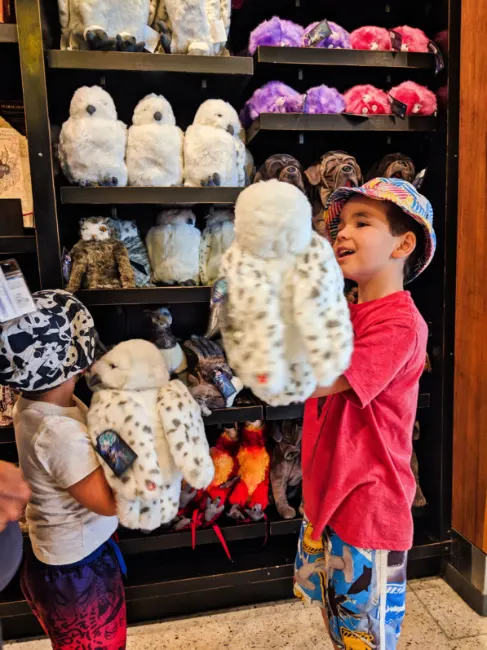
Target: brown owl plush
x: 393, y: 165
x: 99, y: 260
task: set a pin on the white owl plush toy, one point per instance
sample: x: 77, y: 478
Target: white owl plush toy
x: 214, y: 154
x: 155, y: 145
x: 92, y: 141
x: 286, y: 325
x: 217, y: 237
x: 173, y: 245
x: 148, y: 431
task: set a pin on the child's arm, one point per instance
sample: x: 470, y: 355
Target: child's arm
x: 94, y: 493
x: 339, y: 386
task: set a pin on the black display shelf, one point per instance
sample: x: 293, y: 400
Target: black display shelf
x: 21, y: 244
x: 286, y: 526
x: 424, y: 401
x: 342, y: 122
x: 357, y: 58
x: 7, y: 435
x: 149, y: 195
x: 146, y: 62
x: 8, y: 33
x: 236, y: 414
x: 143, y: 296
x: 291, y: 412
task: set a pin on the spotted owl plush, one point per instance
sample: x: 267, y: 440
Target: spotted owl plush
x: 217, y: 237
x: 128, y: 233
x: 148, y: 431
x: 99, y: 260
x: 286, y: 325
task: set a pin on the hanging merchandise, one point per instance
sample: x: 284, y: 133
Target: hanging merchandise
x: 284, y: 330
x: 217, y: 237
x: 286, y: 473
x: 272, y: 97
x: 99, y: 261
x: 371, y: 38
x: 417, y: 99
x: 284, y: 168
x: 327, y: 35
x: 154, y: 145
x: 214, y: 154
x: 92, y: 141
x: 174, y: 247
x: 276, y: 32
x: 7, y: 400
x: 412, y: 39
x: 166, y: 342
x: 323, y: 100
x: 393, y: 165
x: 148, y: 431
x: 128, y: 233
x: 367, y: 100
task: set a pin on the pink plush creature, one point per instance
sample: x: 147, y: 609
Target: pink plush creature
x: 371, y: 38
x: 413, y: 39
x: 367, y: 100
x: 418, y: 99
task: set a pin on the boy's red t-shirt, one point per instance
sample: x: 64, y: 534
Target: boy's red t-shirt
x: 357, y: 446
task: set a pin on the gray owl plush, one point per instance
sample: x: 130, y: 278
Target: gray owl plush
x: 128, y: 233
x: 99, y: 260
x: 164, y: 339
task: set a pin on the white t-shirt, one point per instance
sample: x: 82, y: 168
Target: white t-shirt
x: 55, y: 452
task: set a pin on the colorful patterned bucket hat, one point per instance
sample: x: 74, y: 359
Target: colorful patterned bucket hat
x: 397, y: 191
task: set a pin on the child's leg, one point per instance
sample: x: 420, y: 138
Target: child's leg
x: 81, y: 606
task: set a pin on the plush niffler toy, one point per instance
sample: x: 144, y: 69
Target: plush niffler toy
x: 286, y: 326
x: 99, y: 260
x: 284, y: 168
x: 286, y: 470
x: 217, y: 237
x: 149, y: 433
x: 92, y: 141
x: 393, y: 165
x: 166, y: 342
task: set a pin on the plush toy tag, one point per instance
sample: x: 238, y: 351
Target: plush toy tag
x: 398, y: 108
x: 223, y: 383
x: 439, y: 62
x: 318, y: 33
x: 219, y: 294
x: 419, y: 179
x: 218, y: 33
x: 66, y: 264
x: 151, y: 38
x: 396, y: 40
x: 15, y: 298
x: 115, y: 452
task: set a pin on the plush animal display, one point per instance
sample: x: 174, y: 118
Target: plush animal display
x: 335, y: 169
x: 217, y: 237
x: 413, y: 39
x: 338, y: 39
x: 394, y: 165
x: 367, y: 100
x: 250, y: 497
x: 286, y: 464
x: 276, y: 32
x: 174, y: 247
x: 7, y: 401
x: 273, y: 97
x: 166, y: 342
x: 99, y: 260
x: 214, y: 154
x: 154, y: 145
x: 285, y: 330
x: 418, y: 99
x: 284, y: 168
x: 102, y: 25
x: 92, y: 141
x: 419, y: 498
x: 149, y: 433
x: 210, y: 379
x: 371, y: 38
x: 323, y: 100
x: 128, y: 233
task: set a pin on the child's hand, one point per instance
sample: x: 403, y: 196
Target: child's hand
x: 14, y: 493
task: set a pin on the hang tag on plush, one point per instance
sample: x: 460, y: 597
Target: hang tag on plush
x: 318, y: 33
x: 116, y: 453
x: 223, y: 383
x: 439, y: 61
x: 218, y: 33
x: 15, y: 298
x: 151, y: 38
x: 419, y: 178
x: 396, y: 40
x: 398, y: 108
x: 66, y: 264
x: 219, y: 295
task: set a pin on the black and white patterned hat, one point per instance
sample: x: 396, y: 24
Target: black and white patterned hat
x: 42, y: 350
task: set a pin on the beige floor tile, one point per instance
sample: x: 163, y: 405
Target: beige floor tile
x: 420, y: 631
x: 423, y: 583
x: 470, y: 643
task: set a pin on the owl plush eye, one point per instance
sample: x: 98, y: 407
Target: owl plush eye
x: 112, y: 366
x: 103, y: 228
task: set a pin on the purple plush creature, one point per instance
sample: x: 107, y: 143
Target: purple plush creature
x: 276, y: 32
x: 324, y: 100
x: 273, y: 97
x: 338, y: 39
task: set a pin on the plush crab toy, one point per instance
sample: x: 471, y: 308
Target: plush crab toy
x: 418, y: 99
x: 413, y: 39
x: 276, y: 32
x: 323, y: 100
x: 284, y: 329
x: 371, y: 38
x: 367, y: 100
x: 273, y: 97
x: 338, y: 39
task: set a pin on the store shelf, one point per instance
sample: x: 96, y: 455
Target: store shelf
x: 144, y: 296
x: 356, y: 58
x: 7, y: 435
x: 146, y: 62
x: 8, y: 33
x: 342, y: 122
x: 21, y: 244
x: 291, y: 412
x: 424, y: 401
x: 236, y: 414
x: 149, y: 195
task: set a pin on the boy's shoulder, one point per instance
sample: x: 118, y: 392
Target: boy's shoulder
x: 396, y: 310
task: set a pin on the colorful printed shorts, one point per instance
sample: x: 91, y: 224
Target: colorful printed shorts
x: 363, y: 591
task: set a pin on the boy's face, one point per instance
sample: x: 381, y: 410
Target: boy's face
x: 365, y: 245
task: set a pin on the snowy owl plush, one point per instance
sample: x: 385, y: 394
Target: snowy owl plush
x: 217, y: 237
x: 214, y: 154
x: 92, y: 141
x: 155, y: 145
x: 173, y: 245
x: 148, y: 431
x: 286, y: 325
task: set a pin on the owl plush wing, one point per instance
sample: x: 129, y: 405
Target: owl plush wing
x: 321, y: 311
x: 183, y: 425
x: 205, y: 250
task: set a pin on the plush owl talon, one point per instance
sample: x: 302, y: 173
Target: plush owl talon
x: 216, y: 178
x: 128, y: 43
x: 97, y: 39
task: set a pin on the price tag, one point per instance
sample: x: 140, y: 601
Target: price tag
x: 15, y: 298
x: 115, y: 452
x: 396, y: 40
x: 318, y: 33
x: 398, y: 108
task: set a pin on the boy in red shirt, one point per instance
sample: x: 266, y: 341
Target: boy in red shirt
x: 357, y: 435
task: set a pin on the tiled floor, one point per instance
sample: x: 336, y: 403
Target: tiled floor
x: 437, y: 619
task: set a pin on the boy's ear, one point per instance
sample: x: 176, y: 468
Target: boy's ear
x: 407, y: 244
